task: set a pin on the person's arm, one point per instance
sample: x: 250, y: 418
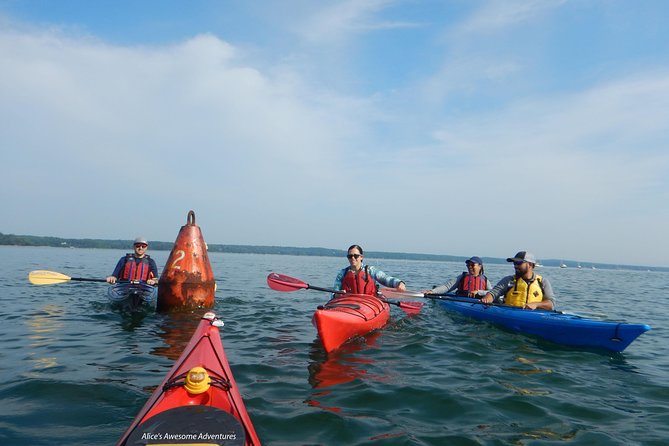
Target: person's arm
x: 548, y: 302
x: 153, y: 276
x: 339, y: 279
x: 385, y: 279
x: 497, y: 291
x: 117, y: 271
x: 445, y: 288
x: 154, y: 268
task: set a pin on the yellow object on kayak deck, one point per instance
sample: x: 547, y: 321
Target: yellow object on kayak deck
x: 197, y: 381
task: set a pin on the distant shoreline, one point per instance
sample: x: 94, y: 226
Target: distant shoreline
x: 32, y: 240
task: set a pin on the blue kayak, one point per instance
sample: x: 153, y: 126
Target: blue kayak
x: 561, y: 328
x: 132, y: 296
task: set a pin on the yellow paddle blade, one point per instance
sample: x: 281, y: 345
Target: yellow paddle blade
x: 43, y: 277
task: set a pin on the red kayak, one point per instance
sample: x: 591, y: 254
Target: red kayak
x: 198, y: 402
x: 347, y: 316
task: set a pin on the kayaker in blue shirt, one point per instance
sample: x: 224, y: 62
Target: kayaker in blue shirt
x: 136, y: 266
x: 358, y: 278
x: 467, y: 284
x: 525, y: 288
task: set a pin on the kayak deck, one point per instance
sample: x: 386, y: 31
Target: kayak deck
x: 132, y: 296
x: 345, y: 317
x: 566, y: 329
x: 183, y: 410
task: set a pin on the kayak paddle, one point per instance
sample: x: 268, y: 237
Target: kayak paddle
x: 43, y: 277
x: 397, y: 294
x: 392, y: 292
x: 280, y: 282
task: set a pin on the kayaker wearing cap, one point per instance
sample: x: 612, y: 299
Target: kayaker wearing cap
x: 466, y: 284
x: 358, y: 278
x: 525, y: 288
x: 136, y: 266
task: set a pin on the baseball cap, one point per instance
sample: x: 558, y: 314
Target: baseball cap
x: 523, y: 256
x: 140, y: 240
x: 474, y: 259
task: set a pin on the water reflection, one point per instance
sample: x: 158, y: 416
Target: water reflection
x: 176, y: 330
x: 339, y: 367
x: 43, y: 325
x: 342, y: 365
x: 129, y: 320
x: 543, y: 434
x: 133, y: 320
x: 617, y: 361
x: 45, y: 320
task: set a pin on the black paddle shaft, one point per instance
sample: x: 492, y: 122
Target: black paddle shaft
x: 81, y: 279
x: 329, y: 290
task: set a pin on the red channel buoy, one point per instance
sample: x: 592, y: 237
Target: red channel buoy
x: 187, y: 281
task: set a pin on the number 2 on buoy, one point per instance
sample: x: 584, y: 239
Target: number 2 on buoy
x: 180, y: 254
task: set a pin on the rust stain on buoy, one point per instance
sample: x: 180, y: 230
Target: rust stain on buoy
x: 187, y: 281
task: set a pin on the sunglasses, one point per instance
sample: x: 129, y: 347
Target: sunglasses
x: 141, y: 245
x: 350, y: 256
x: 518, y: 262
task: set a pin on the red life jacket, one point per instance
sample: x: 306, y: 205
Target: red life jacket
x: 471, y: 283
x: 136, y: 269
x: 359, y: 283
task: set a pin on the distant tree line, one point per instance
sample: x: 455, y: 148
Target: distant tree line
x: 32, y: 240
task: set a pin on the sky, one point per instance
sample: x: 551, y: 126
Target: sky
x: 461, y: 127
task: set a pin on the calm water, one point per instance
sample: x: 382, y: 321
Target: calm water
x: 75, y: 372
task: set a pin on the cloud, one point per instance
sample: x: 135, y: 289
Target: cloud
x: 186, y: 123
x: 585, y: 168
x: 496, y: 15
x: 342, y: 21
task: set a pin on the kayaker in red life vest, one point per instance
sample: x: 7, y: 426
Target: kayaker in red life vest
x: 137, y: 266
x: 524, y: 289
x: 467, y: 284
x: 358, y: 278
